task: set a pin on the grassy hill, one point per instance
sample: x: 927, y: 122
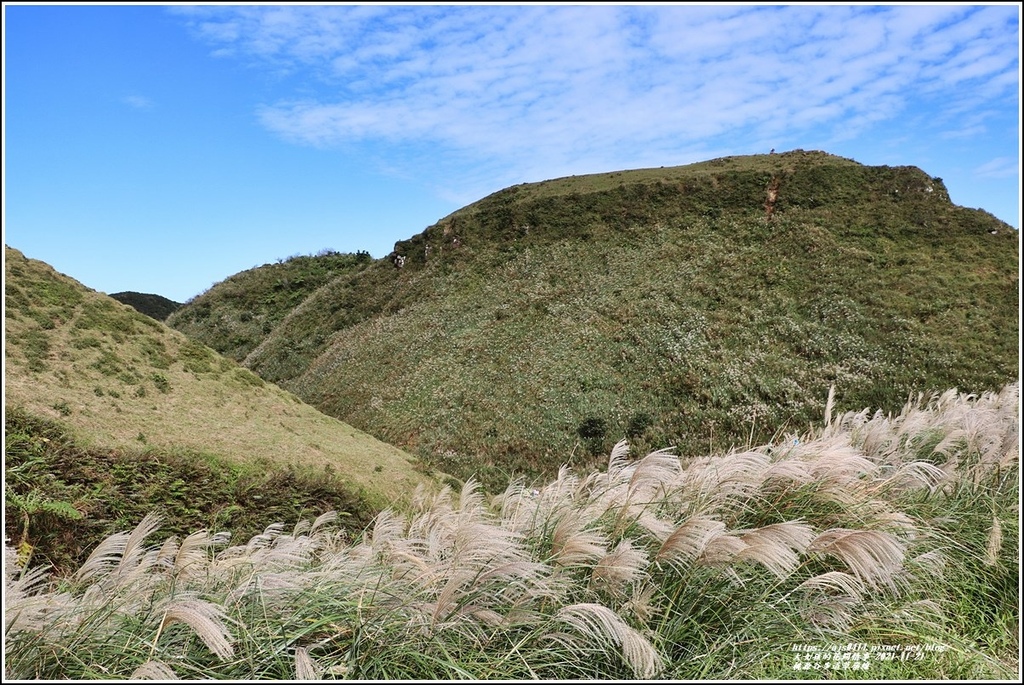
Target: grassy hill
x: 109, y: 411
x: 700, y: 306
x: 155, y: 306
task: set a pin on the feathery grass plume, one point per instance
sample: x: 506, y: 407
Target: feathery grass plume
x: 830, y: 405
x: 481, y: 544
x: 690, y: 539
x: 777, y: 547
x: 660, y: 529
x: 153, y: 670
x: 510, y: 502
x: 877, y: 515
x: 471, y: 499
x: 269, y: 534
x: 118, y: 553
x: 192, y: 553
x: 994, y: 542
x: 913, y: 475
x: 655, y: 473
x: 450, y: 598
x: 932, y: 563
x: 284, y: 553
x: 325, y: 519
x: 711, y: 483
x: 837, y: 462
x: 206, y: 619
x: 951, y: 443
x: 618, y: 460
x: 788, y: 470
x: 301, y: 528
x: 873, y: 556
x: 875, y: 437
x: 623, y: 566
x: 305, y: 667
x: 641, y: 602
x: 720, y: 551
x: 573, y: 545
x: 602, y: 625
x: 387, y: 526
x: 28, y: 606
x: 831, y: 599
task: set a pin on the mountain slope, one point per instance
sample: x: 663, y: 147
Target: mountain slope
x: 689, y: 305
x: 122, y: 380
x: 154, y: 306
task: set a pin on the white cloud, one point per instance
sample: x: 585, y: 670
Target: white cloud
x: 1000, y: 167
x: 516, y: 89
x: 137, y: 101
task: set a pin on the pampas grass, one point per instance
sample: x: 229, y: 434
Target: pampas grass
x: 709, y: 567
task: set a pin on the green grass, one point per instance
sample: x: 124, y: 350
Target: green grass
x: 144, y: 405
x: 851, y: 538
x: 256, y: 300
x: 658, y: 304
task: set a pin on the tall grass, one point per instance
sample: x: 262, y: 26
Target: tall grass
x: 896, y: 533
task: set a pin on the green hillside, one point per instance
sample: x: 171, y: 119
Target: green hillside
x: 109, y: 412
x: 155, y: 306
x: 242, y: 310
x: 700, y: 306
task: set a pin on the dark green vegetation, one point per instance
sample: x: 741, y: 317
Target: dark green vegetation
x: 249, y: 305
x: 700, y: 306
x: 62, y: 498
x: 109, y: 414
x: 155, y: 306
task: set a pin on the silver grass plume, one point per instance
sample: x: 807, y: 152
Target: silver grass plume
x: 28, y: 607
x: 777, y: 547
x: 712, y: 482
x: 572, y: 544
x: 153, y: 670
x: 305, y: 667
x: 118, y: 553
x: 206, y: 619
x: 994, y: 542
x: 830, y: 405
x: 599, y: 623
x: 654, y: 474
x: 831, y: 599
x: 873, y: 556
x: 621, y: 567
x: 690, y: 539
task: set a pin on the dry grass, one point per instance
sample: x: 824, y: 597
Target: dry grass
x: 120, y: 380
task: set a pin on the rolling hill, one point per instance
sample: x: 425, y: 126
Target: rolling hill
x: 701, y: 306
x: 155, y: 306
x: 117, y: 413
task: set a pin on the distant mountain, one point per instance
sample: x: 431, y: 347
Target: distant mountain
x: 699, y: 306
x: 155, y: 306
x: 110, y: 414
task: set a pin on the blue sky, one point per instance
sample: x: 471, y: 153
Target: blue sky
x: 163, y: 148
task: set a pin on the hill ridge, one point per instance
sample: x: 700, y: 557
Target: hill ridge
x: 123, y: 379
x: 672, y: 306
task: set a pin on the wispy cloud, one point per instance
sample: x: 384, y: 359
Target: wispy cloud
x: 527, y: 92
x: 1000, y: 167
x: 137, y: 101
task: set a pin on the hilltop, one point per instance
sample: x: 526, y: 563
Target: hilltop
x: 701, y: 306
x: 115, y: 412
x: 154, y: 306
